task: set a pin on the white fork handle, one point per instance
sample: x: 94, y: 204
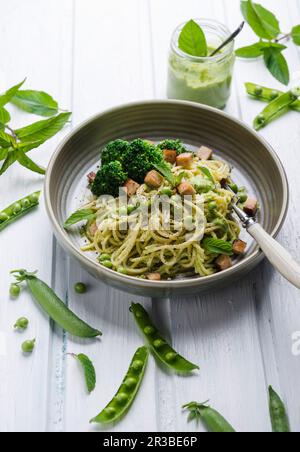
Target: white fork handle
x: 276, y: 254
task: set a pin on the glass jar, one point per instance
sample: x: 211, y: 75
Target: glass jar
x: 206, y: 80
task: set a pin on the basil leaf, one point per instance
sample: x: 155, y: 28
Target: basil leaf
x: 42, y: 131
x: 192, y: 40
x: 25, y: 161
x: 4, y: 116
x: 257, y: 50
x: 165, y: 170
x: 263, y: 22
x: 217, y: 246
x: 36, y: 102
x: 89, y: 371
x: 6, y: 97
x: 253, y: 51
x: 277, y: 65
x: 296, y: 35
x: 79, y: 215
x: 207, y: 173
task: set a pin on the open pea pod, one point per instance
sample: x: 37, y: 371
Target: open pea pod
x: 265, y: 94
x: 159, y: 346
x: 18, y: 209
x: 275, y: 108
x: 128, y: 390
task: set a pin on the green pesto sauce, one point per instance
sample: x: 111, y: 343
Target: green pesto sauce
x: 206, y: 82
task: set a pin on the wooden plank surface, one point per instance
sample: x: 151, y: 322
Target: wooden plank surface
x: 240, y: 336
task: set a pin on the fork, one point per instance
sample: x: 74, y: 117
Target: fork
x: 277, y: 255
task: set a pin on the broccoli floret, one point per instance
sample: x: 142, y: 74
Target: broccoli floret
x: 173, y: 145
x: 109, y: 179
x: 140, y: 159
x: 114, y: 151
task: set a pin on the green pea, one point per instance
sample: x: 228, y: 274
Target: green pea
x: 17, y: 208
x: 131, y: 209
x: 166, y: 192
x: 130, y: 382
x: 122, y: 270
x: 243, y: 197
x: 21, y: 324
x: 107, y: 264
x: 14, y: 290
x: 25, y: 203
x: 158, y: 343
x: 123, y: 211
x: 137, y: 365
x: 104, y: 257
x: 212, y: 206
x: 34, y: 198
x: 121, y: 398
x: 110, y: 412
x: 3, y: 217
x: 258, y: 91
x: 220, y: 223
x: 148, y: 330
x: 234, y: 188
x: 28, y: 346
x: 170, y: 357
x: 80, y: 288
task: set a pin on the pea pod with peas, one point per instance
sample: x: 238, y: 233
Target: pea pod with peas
x: 18, y: 209
x: 159, y: 346
x: 128, y: 390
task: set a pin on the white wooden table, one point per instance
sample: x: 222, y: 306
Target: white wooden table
x: 91, y: 55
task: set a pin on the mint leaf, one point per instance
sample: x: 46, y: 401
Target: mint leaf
x: 36, y: 102
x: 262, y: 21
x: 89, y: 371
x: 79, y: 215
x: 4, y: 116
x: 42, y: 131
x: 192, y: 40
x: 5, y: 140
x: 296, y: 35
x: 277, y: 65
x: 9, y: 160
x: 253, y: 51
x: 217, y: 246
x: 6, y: 97
x: 207, y: 173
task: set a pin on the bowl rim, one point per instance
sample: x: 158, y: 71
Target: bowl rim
x: 109, y: 274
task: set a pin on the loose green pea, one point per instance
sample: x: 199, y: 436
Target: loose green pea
x: 212, y: 206
x: 104, y: 257
x: 137, y: 365
x: 3, y: 217
x: 14, y: 290
x: 25, y: 203
x: 80, y: 288
x: 28, y: 346
x: 234, y: 188
x: 107, y: 264
x: 243, y: 197
x: 149, y: 330
x: 122, y: 270
x: 17, y: 208
x: 170, y: 357
x: 21, y: 324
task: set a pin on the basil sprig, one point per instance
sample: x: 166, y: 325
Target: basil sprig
x: 16, y: 143
x: 266, y: 26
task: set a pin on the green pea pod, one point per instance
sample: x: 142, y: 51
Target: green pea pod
x: 128, y: 390
x: 279, y: 418
x: 267, y: 94
x: 18, y: 209
x: 212, y: 420
x: 275, y: 108
x: 161, y: 349
x: 55, y: 307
